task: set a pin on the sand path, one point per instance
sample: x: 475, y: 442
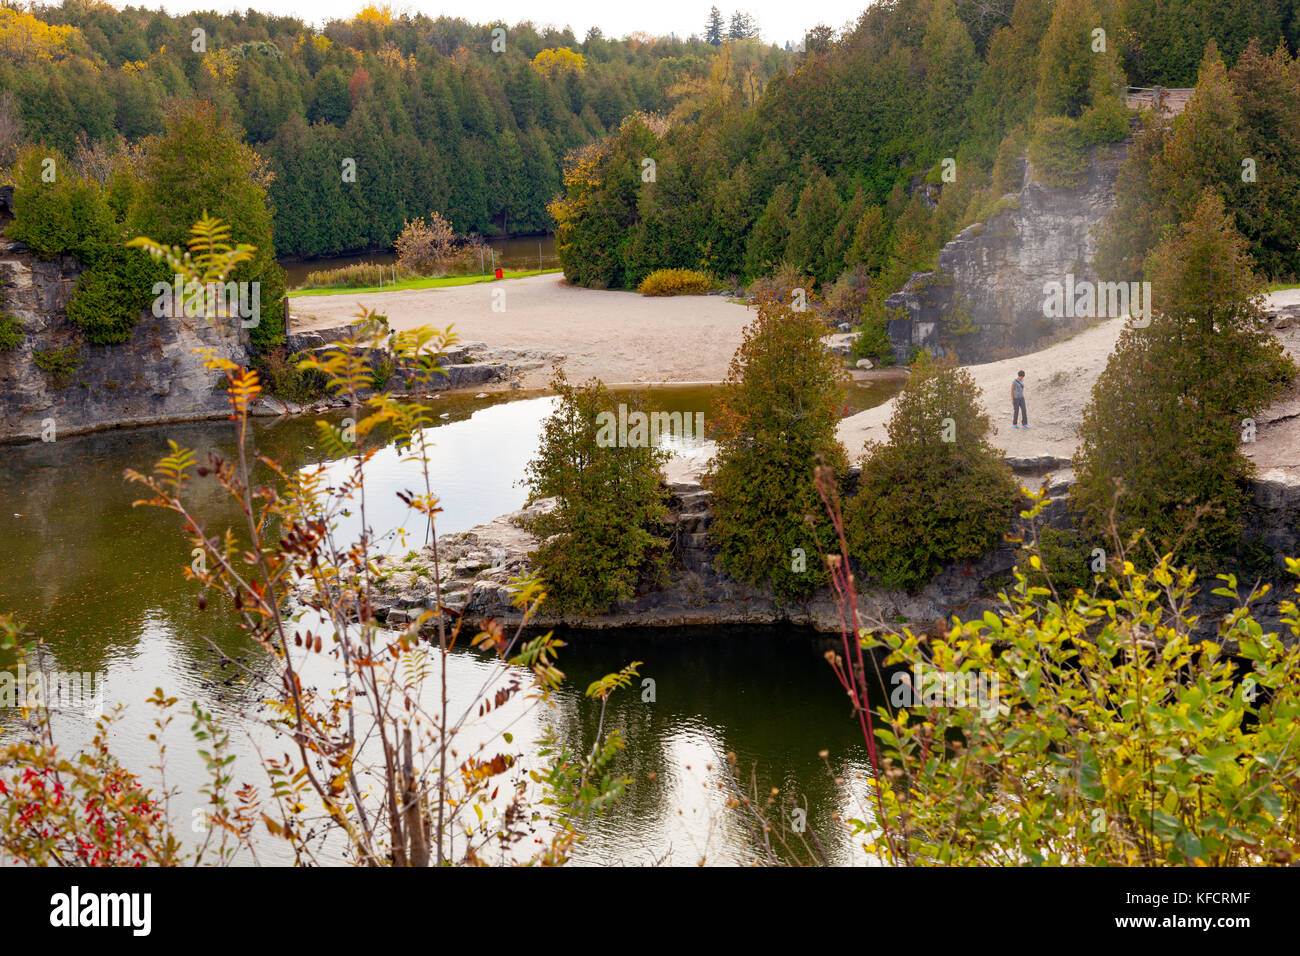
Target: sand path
x: 1058, y: 384
x: 620, y: 337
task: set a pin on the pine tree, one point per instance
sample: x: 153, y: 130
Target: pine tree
x: 742, y: 26
x: 713, y: 27
x: 937, y: 492
x: 1166, y: 415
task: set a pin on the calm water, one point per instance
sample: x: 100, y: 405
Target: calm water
x: 100, y: 583
x: 517, y: 252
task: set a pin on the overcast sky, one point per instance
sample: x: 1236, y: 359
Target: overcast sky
x: 779, y: 20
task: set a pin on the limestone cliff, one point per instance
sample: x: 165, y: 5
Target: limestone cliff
x: 984, y: 300
x: 151, y: 378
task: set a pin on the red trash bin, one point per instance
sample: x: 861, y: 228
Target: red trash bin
x: 500, y: 274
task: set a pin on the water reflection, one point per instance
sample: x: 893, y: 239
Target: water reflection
x: 99, y: 582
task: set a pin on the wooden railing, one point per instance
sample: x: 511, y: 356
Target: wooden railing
x: 1174, y: 98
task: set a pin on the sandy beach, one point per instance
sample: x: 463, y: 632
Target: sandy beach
x: 619, y: 337
x: 623, y: 337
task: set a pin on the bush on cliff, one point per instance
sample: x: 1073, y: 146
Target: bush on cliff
x: 110, y: 295
x: 781, y: 402
x: 1105, y: 751
x: 605, y: 535
x: 1176, y: 399
x: 937, y: 491
x: 58, y: 210
x: 201, y: 164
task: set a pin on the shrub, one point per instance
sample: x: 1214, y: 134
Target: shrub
x: 1065, y: 560
x: 1105, y: 122
x: 367, y: 807
x: 848, y: 294
x: 675, y: 282
x: 604, y: 535
x: 111, y: 294
x: 59, y: 364
x: 382, y: 370
x: 781, y: 283
x: 11, y: 333
x: 1091, y: 745
x: 1206, y: 362
x: 937, y: 492
x: 1058, y: 152
x: 1008, y: 174
x: 68, y: 216
x: 423, y: 246
x: 873, y: 340
x: 280, y: 376
x: 777, y: 415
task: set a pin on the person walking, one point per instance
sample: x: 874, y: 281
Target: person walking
x: 1018, y: 410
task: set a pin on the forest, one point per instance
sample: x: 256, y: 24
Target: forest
x: 432, y: 113
x: 851, y: 170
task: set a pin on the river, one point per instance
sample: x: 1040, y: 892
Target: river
x: 100, y: 583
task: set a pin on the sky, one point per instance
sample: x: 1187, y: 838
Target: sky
x: 779, y: 20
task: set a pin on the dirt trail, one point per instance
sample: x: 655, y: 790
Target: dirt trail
x: 1058, y: 384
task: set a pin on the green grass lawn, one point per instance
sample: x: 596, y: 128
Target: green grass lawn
x: 436, y: 283
x: 1283, y: 288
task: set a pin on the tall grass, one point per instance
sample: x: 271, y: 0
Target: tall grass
x: 363, y: 275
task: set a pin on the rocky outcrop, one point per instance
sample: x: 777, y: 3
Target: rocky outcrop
x: 465, y: 365
x: 477, y: 566
x: 151, y: 378
x: 984, y: 300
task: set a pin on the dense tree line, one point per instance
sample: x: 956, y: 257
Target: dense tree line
x: 852, y: 169
x: 1240, y: 136
x: 432, y: 116
x: 196, y: 164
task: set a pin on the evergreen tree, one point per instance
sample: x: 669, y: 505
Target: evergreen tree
x: 811, y: 246
x: 713, y: 27
x: 1067, y: 60
x: 742, y: 26
x: 951, y: 69
x: 605, y: 534
x: 781, y: 403
x: 768, y: 242
x: 199, y: 165
x: 1166, y: 415
x: 937, y: 491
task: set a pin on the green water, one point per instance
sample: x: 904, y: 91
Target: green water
x: 100, y: 583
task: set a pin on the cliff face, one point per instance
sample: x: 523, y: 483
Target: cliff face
x: 151, y: 378
x: 984, y: 300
